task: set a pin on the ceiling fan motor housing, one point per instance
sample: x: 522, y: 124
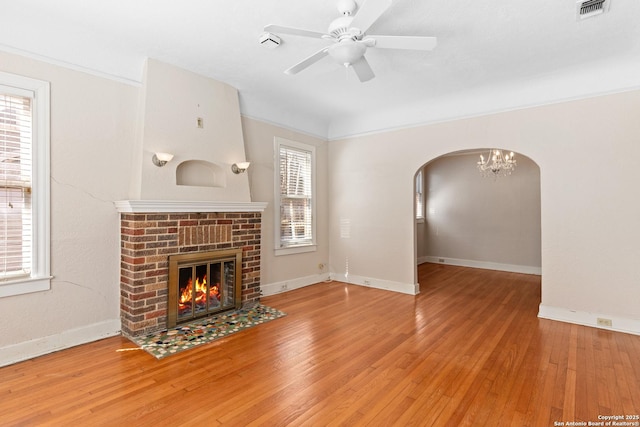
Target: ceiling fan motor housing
x: 341, y: 27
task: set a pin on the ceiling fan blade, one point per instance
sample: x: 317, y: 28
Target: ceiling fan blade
x: 307, y: 61
x: 363, y: 70
x: 369, y: 13
x: 278, y: 29
x: 403, y: 42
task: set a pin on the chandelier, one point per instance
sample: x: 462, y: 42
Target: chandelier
x: 497, y: 164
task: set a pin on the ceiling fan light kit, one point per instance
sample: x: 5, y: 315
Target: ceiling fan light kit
x: 349, y: 39
x: 347, y: 52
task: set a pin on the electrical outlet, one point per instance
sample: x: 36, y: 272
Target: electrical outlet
x: 321, y: 266
x: 604, y: 322
x: 440, y: 259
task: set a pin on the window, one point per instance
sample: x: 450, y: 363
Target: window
x: 419, y: 196
x: 24, y: 185
x: 295, y: 191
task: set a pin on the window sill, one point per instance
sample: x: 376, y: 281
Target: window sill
x: 295, y: 250
x: 25, y: 286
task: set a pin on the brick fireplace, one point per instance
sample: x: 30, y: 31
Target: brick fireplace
x: 151, y: 231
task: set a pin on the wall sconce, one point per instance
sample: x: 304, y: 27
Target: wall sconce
x: 240, y: 167
x: 161, y: 159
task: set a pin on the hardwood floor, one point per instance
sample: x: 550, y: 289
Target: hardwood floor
x: 469, y: 350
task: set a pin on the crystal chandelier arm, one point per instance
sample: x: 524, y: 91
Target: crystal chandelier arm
x: 497, y: 163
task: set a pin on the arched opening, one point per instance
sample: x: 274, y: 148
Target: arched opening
x: 200, y: 173
x: 471, y: 220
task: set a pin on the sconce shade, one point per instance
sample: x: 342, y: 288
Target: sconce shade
x: 161, y: 159
x: 240, y: 167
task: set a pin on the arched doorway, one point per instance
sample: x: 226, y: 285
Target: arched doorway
x: 475, y: 221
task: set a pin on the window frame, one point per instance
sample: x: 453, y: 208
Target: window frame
x: 303, y: 247
x: 40, y: 277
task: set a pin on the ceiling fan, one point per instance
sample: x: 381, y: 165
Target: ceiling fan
x: 350, y: 40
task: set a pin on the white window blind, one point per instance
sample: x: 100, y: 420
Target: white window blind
x: 419, y: 196
x: 296, y: 196
x: 16, y: 132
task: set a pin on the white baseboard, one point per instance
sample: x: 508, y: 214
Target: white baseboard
x: 513, y: 268
x: 288, y: 285
x: 71, y: 338
x: 370, y: 282
x: 618, y: 324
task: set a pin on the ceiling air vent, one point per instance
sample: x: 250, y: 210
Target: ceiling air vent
x: 590, y: 8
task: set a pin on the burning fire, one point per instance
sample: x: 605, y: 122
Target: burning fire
x: 186, y: 296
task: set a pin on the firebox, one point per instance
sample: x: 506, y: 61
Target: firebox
x: 202, y: 284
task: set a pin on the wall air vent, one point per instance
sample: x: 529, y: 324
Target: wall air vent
x: 590, y: 8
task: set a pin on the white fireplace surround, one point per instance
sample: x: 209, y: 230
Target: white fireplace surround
x: 176, y: 206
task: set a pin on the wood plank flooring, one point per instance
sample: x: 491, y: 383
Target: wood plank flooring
x: 468, y: 351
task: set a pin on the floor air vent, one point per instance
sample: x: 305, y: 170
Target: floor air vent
x: 590, y: 8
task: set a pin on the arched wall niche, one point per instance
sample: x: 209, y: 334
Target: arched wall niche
x: 200, y: 173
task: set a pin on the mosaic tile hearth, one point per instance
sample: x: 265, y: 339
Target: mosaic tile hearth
x: 183, y: 337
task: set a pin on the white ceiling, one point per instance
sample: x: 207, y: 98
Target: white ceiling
x: 491, y: 55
